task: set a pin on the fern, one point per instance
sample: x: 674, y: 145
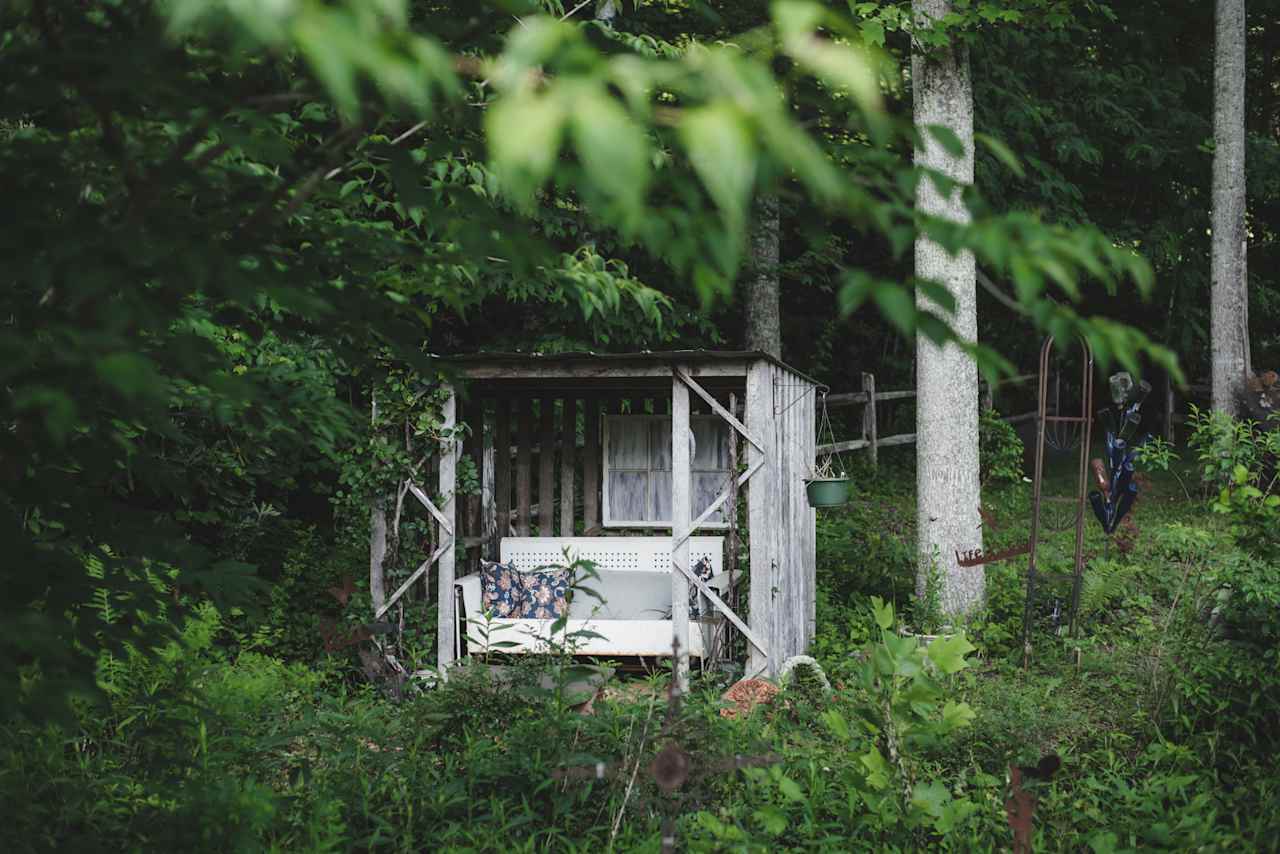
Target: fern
x: 1104, y: 581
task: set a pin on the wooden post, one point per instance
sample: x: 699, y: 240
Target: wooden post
x: 762, y: 515
x: 524, y: 466
x: 474, y: 448
x: 591, y: 465
x: 732, y: 517
x: 869, y: 428
x: 489, y: 531
x: 502, y: 469
x: 447, y: 627
x: 568, y: 446
x: 546, y: 468
x: 680, y: 519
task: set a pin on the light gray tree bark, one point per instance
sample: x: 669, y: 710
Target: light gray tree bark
x: 1229, y: 301
x: 761, y: 295
x: 377, y: 553
x: 947, y: 485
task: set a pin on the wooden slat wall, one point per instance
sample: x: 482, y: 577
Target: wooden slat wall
x: 790, y: 587
x: 762, y: 517
x: 568, y: 464
x: 446, y: 628
x: 809, y: 524
x: 473, y: 447
x: 546, y: 467
x: 502, y: 466
x: 524, y: 466
x: 591, y: 465
x: 680, y: 516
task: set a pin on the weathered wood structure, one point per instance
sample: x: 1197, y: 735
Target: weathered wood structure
x: 599, y: 445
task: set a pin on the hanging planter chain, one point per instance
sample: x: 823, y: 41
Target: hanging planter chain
x: 829, y: 484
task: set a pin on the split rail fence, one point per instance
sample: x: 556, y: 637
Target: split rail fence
x: 868, y: 399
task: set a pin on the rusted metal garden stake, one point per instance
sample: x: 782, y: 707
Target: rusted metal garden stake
x: 672, y: 766
x: 1062, y: 433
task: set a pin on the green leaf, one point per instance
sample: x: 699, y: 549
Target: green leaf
x: 877, y: 768
x: 613, y: 149
x: 947, y: 138
x: 897, y: 304
x: 130, y: 373
x: 938, y: 294
x: 1240, y: 475
x: 840, y: 64
x: 772, y: 819
x: 790, y: 789
x: 1001, y: 152
x: 795, y: 18
x: 930, y: 797
x: 956, y: 715
x: 524, y: 133
x: 883, y: 612
x: 873, y: 32
x: 948, y: 653
x: 836, y: 723
x: 724, y: 156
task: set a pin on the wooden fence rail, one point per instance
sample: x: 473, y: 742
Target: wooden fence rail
x: 869, y: 397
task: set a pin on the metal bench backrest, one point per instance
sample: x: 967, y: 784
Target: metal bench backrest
x: 646, y: 554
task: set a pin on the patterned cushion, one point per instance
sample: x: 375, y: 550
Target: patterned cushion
x: 545, y: 594
x: 704, y: 570
x: 503, y: 591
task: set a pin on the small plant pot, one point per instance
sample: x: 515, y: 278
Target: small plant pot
x: 925, y: 639
x: 827, y: 491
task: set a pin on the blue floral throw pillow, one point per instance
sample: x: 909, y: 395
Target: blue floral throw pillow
x: 545, y: 594
x: 503, y: 590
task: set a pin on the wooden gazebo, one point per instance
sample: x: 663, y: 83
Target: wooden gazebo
x: 598, y: 435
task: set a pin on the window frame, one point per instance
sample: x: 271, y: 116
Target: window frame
x: 606, y: 516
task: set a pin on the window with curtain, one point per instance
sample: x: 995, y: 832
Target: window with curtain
x: 637, y: 469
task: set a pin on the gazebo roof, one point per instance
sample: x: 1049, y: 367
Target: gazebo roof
x: 640, y: 368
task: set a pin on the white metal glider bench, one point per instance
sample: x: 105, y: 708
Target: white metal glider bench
x: 634, y: 581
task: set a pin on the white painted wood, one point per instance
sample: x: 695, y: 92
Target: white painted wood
x: 870, y: 422
x: 568, y: 443
x: 707, y: 590
x: 762, y: 518
x: 614, y: 557
x: 717, y: 408
x: 447, y: 626
x: 644, y: 554
x: 680, y: 530
x: 617, y: 637
x: 587, y: 370
x: 810, y: 556
x: 851, y: 445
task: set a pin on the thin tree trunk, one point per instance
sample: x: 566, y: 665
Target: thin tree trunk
x: 1229, y: 303
x: 947, y: 484
x: 377, y: 553
x: 377, y: 531
x: 761, y: 298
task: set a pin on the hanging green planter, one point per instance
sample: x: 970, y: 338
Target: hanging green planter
x: 827, y: 491
x: 827, y: 485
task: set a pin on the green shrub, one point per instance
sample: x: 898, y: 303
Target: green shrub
x: 1000, y: 449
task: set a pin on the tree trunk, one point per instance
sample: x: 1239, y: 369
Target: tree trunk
x: 761, y: 295
x: 947, y: 485
x: 1229, y: 303
x: 377, y: 553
